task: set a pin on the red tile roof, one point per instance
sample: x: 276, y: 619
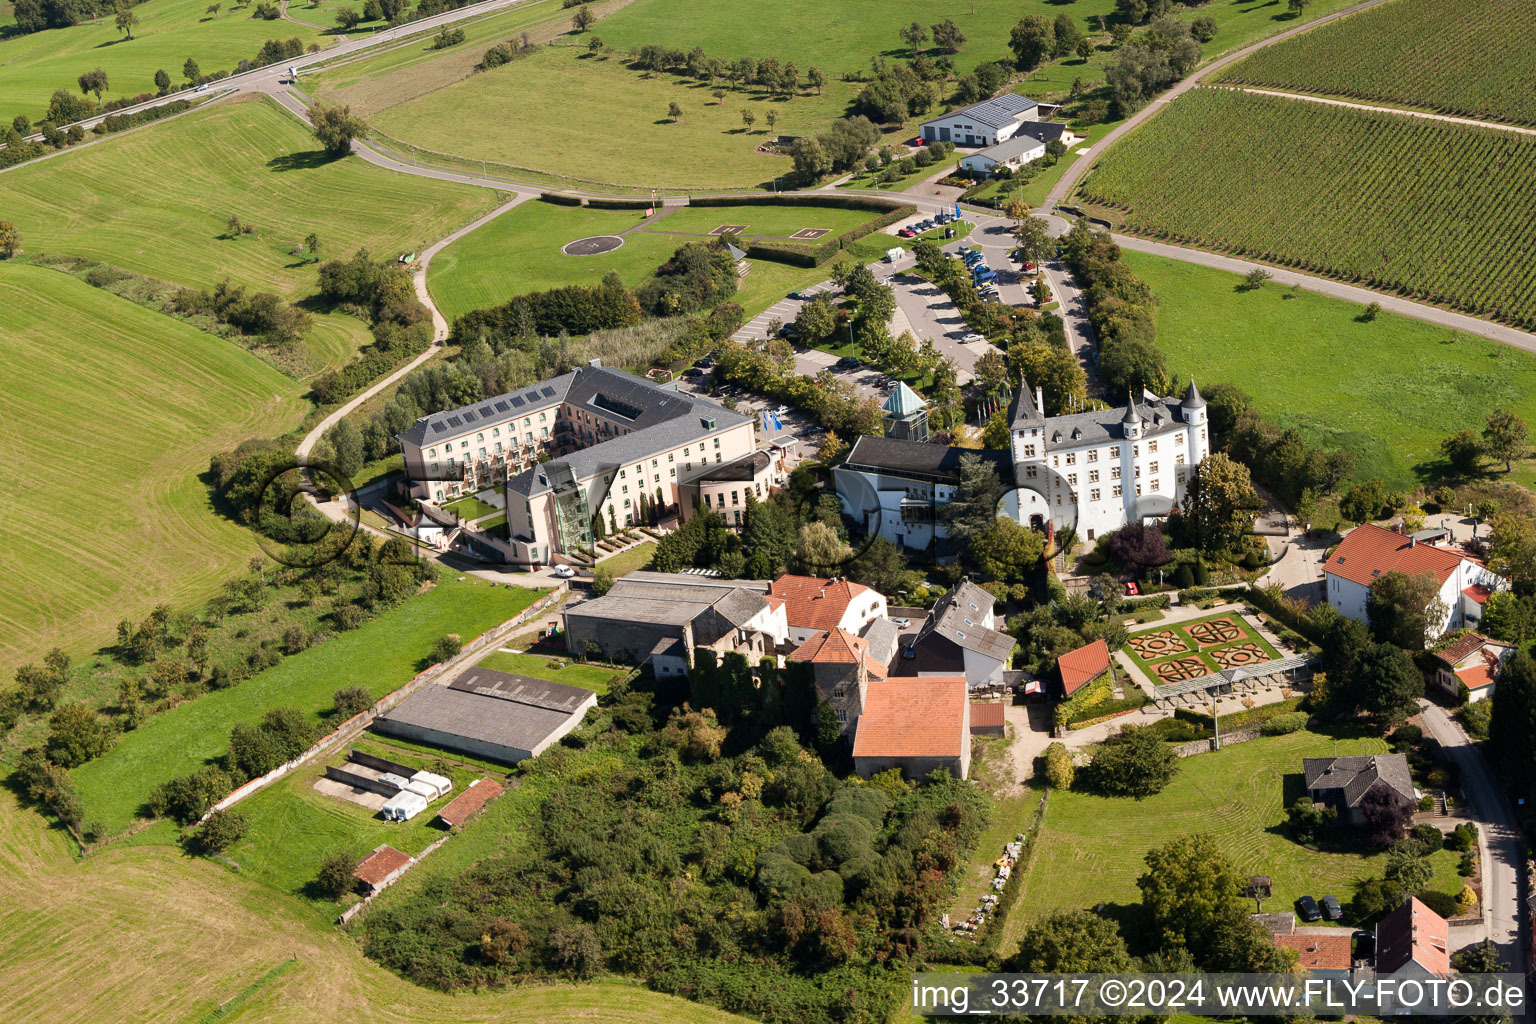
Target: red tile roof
x: 838, y: 647
x: 1478, y: 592
x: 1369, y: 552
x: 915, y: 716
x: 1414, y: 933
x: 480, y: 792
x: 1464, y: 645
x: 1083, y: 665
x: 1478, y: 676
x: 986, y: 716
x: 814, y: 603
x: 1319, y: 952
x: 376, y: 868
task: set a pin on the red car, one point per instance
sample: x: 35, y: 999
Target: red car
x: 1131, y: 589
x: 915, y: 143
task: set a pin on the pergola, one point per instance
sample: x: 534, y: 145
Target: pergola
x: 1191, y: 692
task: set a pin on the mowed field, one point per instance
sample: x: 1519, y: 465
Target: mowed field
x: 173, y: 938
x: 109, y: 414
x: 1091, y: 849
x: 1387, y: 390
x: 1433, y: 211
x: 381, y: 655
x: 1471, y: 58
x: 32, y: 66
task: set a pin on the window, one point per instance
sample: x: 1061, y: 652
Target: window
x: 1116, y: 491
x: 1202, y: 433
x: 626, y: 488
x: 1093, y: 495
x: 1093, y: 476
x: 839, y: 692
x: 1138, y: 490
x: 498, y: 446
x: 717, y: 442
x: 1093, y: 456
x: 842, y: 716
x: 622, y: 473
x: 432, y: 452
x: 1072, y: 479
x: 480, y: 436
x: 1135, y: 451
x: 671, y: 456
x: 482, y: 453
x: 626, y: 503
x: 685, y: 452
x: 735, y: 498
x: 528, y: 438
x: 464, y: 443
x: 653, y: 462
x: 1029, y: 471
x: 736, y: 517
x: 1058, y: 501
x: 495, y: 431
x: 1114, y: 452
x: 1152, y: 468
x: 1114, y: 472
x: 1151, y: 447
x: 1179, y: 461
x: 1156, y: 486
x: 672, y: 472
x: 542, y: 417
x: 543, y: 432
x: 1071, y: 458
x: 1029, y: 451
x: 1056, y: 461
x: 717, y: 458
x: 526, y: 421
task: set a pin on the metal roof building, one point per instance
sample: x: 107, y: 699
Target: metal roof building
x: 490, y: 714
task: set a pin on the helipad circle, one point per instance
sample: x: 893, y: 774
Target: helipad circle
x: 592, y: 245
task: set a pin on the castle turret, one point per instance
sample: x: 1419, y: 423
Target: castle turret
x: 1131, y: 421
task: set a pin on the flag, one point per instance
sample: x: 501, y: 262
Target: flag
x: 765, y: 421
x: 777, y: 426
x: 957, y: 211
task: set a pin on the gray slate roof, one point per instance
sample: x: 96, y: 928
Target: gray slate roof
x: 1104, y: 425
x: 1042, y: 131
x: 493, y: 707
x: 745, y: 468
x: 994, y: 113
x: 1010, y: 148
x: 957, y: 617
x: 440, y: 426
x: 883, y: 637
x: 675, y: 599
x: 1355, y: 776
x: 1192, y: 398
x: 898, y: 457
x: 1022, y: 412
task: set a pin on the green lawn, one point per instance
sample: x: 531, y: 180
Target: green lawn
x: 1387, y: 391
x: 1091, y: 848
x: 1188, y: 641
x: 169, y: 31
x: 471, y: 508
x: 380, y: 655
x: 625, y: 562
x: 108, y: 517
x: 769, y: 220
x: 557, y: 670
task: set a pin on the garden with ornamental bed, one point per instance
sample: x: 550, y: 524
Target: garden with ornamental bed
x: 1189, y: 650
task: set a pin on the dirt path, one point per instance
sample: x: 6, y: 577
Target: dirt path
x: 1402, y: 112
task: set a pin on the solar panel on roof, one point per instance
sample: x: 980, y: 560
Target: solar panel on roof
x: 485, y: 410
x: 547, y: 392
x: 454, y: 421
x: 501, y: 406
x: 517, y: 401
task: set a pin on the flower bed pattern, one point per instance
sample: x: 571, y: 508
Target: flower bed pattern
x: 1176, y: 670
x: 1193, y: 649
x: 1245, y: 653
x: 1162, y: 644
x: 1216, y: 631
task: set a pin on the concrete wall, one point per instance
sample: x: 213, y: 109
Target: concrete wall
x: 448, y: 741
x: 913, y: 767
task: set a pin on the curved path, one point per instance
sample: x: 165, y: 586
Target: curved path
x: 1428, y: 115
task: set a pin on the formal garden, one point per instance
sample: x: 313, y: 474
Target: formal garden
x: 1189, y: 650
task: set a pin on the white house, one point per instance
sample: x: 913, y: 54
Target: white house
x: 959, y: 638
x: 982, y: 124
x: 1027, y: 143
x: 814, y: 605
x: 1369, y: 552
x: 1473, y: 661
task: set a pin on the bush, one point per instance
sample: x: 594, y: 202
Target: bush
x: 1442, y: 903
x: 559, y: 200
x: 1404, y: 737
x: 221, y: 831
x: 350, y: 701
x: 334, y: 879
x: 446, y: 648
x: 188, y: 798
x: 1281, y: 725
x: 1059, y: 770
x: 1135, y: 763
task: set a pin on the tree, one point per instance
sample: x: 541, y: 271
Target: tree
x: 93, y: 81
x: 1463, y: 451
x: 811, y: 158
x: 996, y: 434
x: 10, y: 239
x: 1370, y: 312
x: 334, y: 879
x: 336, y: 127
x: 1140, y: 547
x: 1032, y: 41
x: 222, y: 830
x: 1389, y: 683
x: 1071, y: 942
x: 446, y: 647
x: 1005, y: 551
x: 674, y: 111
x: 1068, y: 35
x: 748, y: 118
x: 772, y: 118
x: 126, y: 19
x: 1135, y: 763
x: 948, y: 37
x: 162, y: 82
x: 1387, y: 815
x: 1512, y: 548
x: 1482, y: 958
x: 1059, y: 769
x: 191, y: 72
x: 1085, y: 48
x: 1506, y: 437
x: 1034, y: 242
x: 583, y: 18
x: 347, y: 19
x: 1255, y: 278
x: 1297, y: 6
x: 1220, y: 502
x: 1189, y: 894
x: 819, y: 551
x: 1307, y: 820
x: 1409, y: 868
x: 349, y: 702
x: 1405, y: 609
x: 973, y: 503
x: 346, y: 445
x: 914, y: 35
x: 880, y: 566
x: 602, y: 581
x: 1512, y: 726
x: 817, y: 319
x: 76, y: 734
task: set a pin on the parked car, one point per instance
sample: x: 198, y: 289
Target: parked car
x: 970, y: 255
x: 972, y: 338
x: 1331, y: 909
x: 1306, y: 909
x: 906, y: 233
x: 788, y: 331
x: 563, y: 572
x: 917, y: 142
x: 847, y: 363
x: 901, y: 623
x: 797, y: 295
x: 693, y: 371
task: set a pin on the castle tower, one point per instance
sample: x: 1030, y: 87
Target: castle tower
x: 1192, y: 408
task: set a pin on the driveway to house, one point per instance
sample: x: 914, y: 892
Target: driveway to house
x: 1499, y: 841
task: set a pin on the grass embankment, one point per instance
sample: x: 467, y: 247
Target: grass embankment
x: 111, y: 412
x: 637, y: 557
x: 556, y: 670
x: 1092, y: 848
x: 379, y: 656
x: 1387, y: 390
x: 32, y: 66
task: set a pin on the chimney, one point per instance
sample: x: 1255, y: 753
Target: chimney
x: 1039, y: 400
x: 1413, y: 542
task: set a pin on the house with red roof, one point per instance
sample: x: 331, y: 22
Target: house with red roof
x: 843, y: 664
x: 1369, y: 552
x: 1473, y: 661
x: 814, y: 605
x: 1080, y: 667
x: 1323, y: 956
x: 916, y: 724
x: 1411, y: 943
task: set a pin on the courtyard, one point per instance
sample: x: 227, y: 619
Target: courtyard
x: 1189, y: 650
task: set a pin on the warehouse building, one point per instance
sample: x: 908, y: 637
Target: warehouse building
x: 490, y: 714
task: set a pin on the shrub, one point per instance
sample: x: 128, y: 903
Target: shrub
x: 1059, y: 770
x: 188, y: 797
x: 1307, y: 819
x: 334, y: 880
x: 1442, y: 903
x: 1281, y: 725
x: 349, y: 701
x: 221, y: 831
x: 1136, y: 763
x: 446, y: 647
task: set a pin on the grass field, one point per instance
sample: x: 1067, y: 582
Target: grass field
x: 1466, y: 57
x: 768, y: 220
x: 111, y: 412
x: 625, y: 562
x: 1387, y: 391
x: 171, y: 938
x: 556, y: 670
x: 1091, y: 848
x: 380, y: 655
x: 1381, y: 199
x: 169, y: 31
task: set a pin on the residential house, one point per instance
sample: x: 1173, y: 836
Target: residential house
x: 1343, y: 782
x: 958, y: 639
x: 915, y: 724
x: 894, y: 487
x: 490, y: 714
x: 1027, y: 144
x: 843, y: 664
x: 662, y: 617
x: 1078, y: 668
x: 1473, y: 661
x: 1411, y: 942
x: 1321, y: 956
x: 813, y: 605
x: 982, y: 124
x: 1369, y: 552
x: 574, y: 455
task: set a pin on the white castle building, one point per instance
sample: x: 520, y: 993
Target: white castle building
x: 1091, y: 471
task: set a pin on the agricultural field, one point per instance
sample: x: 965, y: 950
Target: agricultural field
x: 1471, y: 58
x: 155, y: 399
x: 1387, y: 391
x: 1373, y: 198
x: 32, y: 66
x: 1091, y: 849
x: 380, y: 656
x: 175, y: 938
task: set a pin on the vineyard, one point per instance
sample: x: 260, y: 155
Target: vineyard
x: 1471, y: 58
x: 1435, y: 212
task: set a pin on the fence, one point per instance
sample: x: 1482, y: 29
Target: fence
x: 360, y: 721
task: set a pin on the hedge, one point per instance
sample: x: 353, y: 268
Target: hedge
x: 1194, y: 595
x: 796, y: 199
x: 1240, y: 719
x: 1134, y: 699
x: 122, y: 122
x: 1155, y: 601
x: 1087, y: 700
x: 620, y: 204
x: 1302, y: 624
x: 559, y: 200
x: 815, y: 256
